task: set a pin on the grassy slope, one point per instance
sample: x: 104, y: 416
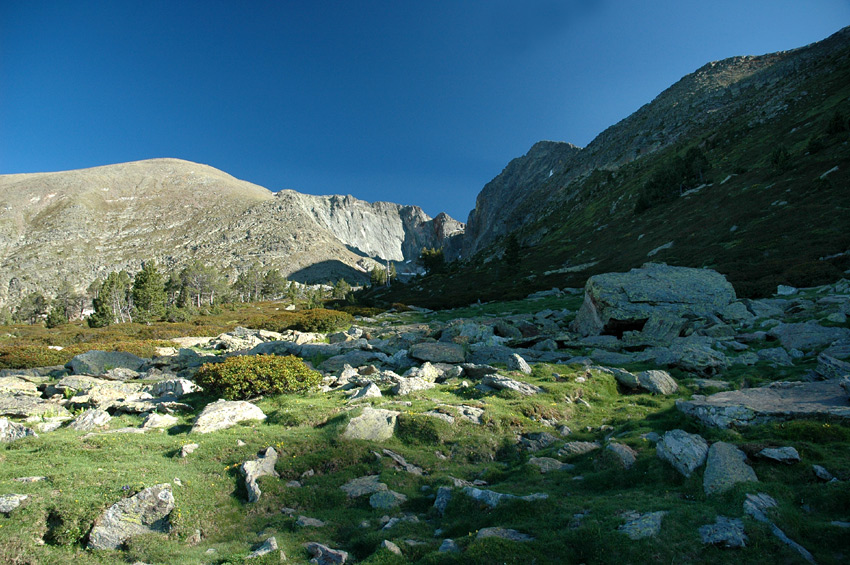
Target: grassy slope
x: 85, y: 476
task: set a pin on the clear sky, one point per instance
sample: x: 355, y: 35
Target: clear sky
x: 416, y: 102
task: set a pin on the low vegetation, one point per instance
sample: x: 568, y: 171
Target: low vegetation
x: 248, y: 376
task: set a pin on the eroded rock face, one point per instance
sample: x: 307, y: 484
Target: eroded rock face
x: 10, y: 431
x: 145, y: 513
x: 626, y: 301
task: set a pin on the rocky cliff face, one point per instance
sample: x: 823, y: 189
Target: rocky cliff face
x: 80, y: 225
x: 533, y: 185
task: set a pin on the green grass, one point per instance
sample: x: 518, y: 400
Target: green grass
x: 85, y: 476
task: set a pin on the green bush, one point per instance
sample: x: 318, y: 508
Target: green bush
x: 363, y: 311
x: 320, y: 320
x: 29, y: 356
x: 246, y: 376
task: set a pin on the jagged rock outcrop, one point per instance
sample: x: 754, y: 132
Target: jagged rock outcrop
x: 79, y: 225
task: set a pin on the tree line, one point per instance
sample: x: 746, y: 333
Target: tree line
x: 152, y: 295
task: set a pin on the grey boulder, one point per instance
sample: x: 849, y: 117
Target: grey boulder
x: 145, y: 513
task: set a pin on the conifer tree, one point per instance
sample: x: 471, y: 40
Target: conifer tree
x: 148, y: 293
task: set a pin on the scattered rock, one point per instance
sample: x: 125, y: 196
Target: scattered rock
x: 725, y: 532
x: 640, y: 526
x: 775, y: 356
x: 493, y: 498
x: 390, y: 546
x: 408, y: 385
x: 362, y: 486
x: 780, y: 454
x: 90, y: 419
x: 187, y: 449
x: 9, y: 502
x: 224, y: 414
x: 372, y: 424
x: 437, y: 352
x: 500, y: 382
x: 26, y: 406
x: 725, y: 467
x: 159, y: 421
x: 268, y: 546
x: 324, y: 555
x: 99, y: 362
x: 831, y: 368
x: 578, y: 447
x: 145, y: 513
x: 549, y: 464
x: 808, y: 335
x: 386, y: 499
x: 448, y: 546
x: 503, y: 533
x: 371, y: 390
x: 536, y: 441
x: 686, y: 452
x: 757, y: 505
x: 625, y: 454
x: 10, y: 431
x: 260, y: 467
x: 822, y: 474
x: 307, y: 522
x: 444, y: 496
x: 402, y: 462
x: 517, y: 363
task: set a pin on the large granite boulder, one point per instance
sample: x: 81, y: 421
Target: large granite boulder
x: 224, y: 414
x: 99, y: 362
x: 614, y: 302
x: 26, y: 405
x: 145, y: 513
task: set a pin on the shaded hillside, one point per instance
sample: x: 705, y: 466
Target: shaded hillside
x: 752, y: 180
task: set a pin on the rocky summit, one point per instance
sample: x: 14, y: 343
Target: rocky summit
x: 80, y: 225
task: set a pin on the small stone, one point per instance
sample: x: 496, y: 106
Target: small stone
x: 362, y: 486
x: 449, y: 546
x: 686, y: 452
x: 307, y: 522
x: 371, y: 390
x: 159, y: 421
x: 188, y: 449
x: 385, y: 499
x: 517, y: 363
x: 224, y: 414
x: 726, y: 532
x: 146, y: 512
x: 372, y: 424
x: 34, y: 479
x: 757, y: 505
x: 626, y: 455
x: 324, y: 555
x: 90, y: 419
x: 822, y: 474
x: 578, y: 447
x: 444, y: 496
x: 640, y: 526
x: 9, y: 502
x: 292, y: 484
x: 260, y: 467
x: 503, y: 533
x: 780, y: 454
x: 725, y: 467
x: 391, y: 547
x: 549, y: 464
x: 268, y: 546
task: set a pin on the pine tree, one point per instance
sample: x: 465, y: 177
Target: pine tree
x: 32, y: 308
x: 274, y: 284
x: 148, y: 293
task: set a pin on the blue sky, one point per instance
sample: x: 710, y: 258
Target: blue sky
x: 411, y: 102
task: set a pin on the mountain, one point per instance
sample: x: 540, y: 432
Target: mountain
x: 80, y: 225
x: 741, y: 166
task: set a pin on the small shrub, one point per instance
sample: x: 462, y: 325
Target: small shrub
x: 245, y: 376
x: 29, y: 356
x: 363, y: 311
x: 320, y: 320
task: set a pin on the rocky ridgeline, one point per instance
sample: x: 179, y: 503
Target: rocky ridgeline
x: 76, y: 225
x: 668, y: 317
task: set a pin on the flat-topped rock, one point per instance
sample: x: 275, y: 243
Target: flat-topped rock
x: 26, y: 405
x: 372, y: 424
x: 777, y: 401
x: 437, y: 352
